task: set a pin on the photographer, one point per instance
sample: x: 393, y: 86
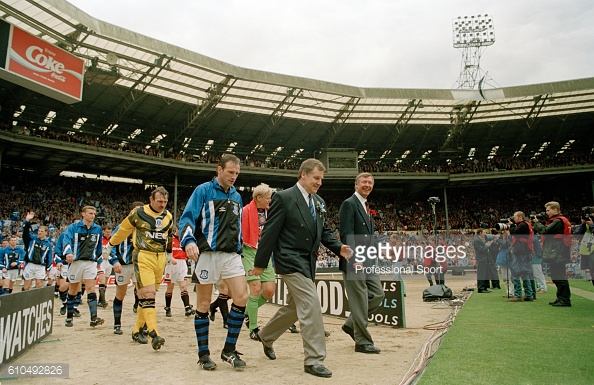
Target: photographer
x: 556, y: 249
x: 482, y: 242
x: 540, y: 282
x: 504, y: 261
x: 523, y: 249
x: 493, y: 252
x: 586, y: 248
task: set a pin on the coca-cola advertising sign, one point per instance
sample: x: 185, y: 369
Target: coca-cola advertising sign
x: 45, y: 64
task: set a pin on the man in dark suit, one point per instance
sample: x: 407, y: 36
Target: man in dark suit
x: 481, y: 249
x: 296, y: 224
x: 364, y: 289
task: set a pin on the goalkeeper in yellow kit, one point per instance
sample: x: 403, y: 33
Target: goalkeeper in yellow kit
x: 152, y: 228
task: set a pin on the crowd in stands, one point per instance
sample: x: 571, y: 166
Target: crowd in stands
x: 153, y: 150
x: 436, y: 166
x: 475, y: 165
x: 57, y: 202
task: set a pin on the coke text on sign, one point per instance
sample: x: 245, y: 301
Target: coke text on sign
x: 43, y: 63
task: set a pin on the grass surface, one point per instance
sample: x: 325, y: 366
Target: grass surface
x: 497, y: 342
x: 581, y: 284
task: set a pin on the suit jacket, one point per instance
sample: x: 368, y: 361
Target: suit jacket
x: 481, y: 250
x: 292, y: 236
x: 354, y: 220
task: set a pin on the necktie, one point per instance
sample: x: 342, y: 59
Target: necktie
x: 312, y: 209
x: 368, y: 211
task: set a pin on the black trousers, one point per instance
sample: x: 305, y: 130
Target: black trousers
x: 483, y: 275
x: 482, y: 284
x: 559, y: 277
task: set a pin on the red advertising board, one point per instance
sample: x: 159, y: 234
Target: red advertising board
x: 36, y: 60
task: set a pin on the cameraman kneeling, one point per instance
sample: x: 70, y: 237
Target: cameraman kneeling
x: 521, y: 234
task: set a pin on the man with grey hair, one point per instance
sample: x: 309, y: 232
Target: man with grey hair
x: 296, y: 225
x: 364, y: 290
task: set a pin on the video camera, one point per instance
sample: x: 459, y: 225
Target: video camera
x: 588, y: 213
x: 502, y: 225
x: 433, y: 200
x: 540, y: 216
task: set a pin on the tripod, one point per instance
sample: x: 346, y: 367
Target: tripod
x: 439, y: 277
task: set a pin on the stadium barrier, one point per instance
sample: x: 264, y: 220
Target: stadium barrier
x: 25, y: 319
x: 334, y: 301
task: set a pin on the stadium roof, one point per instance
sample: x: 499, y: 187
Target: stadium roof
x: 141, y: 90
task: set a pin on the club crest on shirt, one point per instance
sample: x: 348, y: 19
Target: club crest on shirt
x: 203, y: 274
x: 159, y: 223
x: 236, y: 210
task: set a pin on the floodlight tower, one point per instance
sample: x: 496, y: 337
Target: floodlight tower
x: 471, y: 36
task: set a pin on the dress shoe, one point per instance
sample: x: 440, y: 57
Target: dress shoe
x: 562, y: 303
x: 529, y: 299
x: 318, y: 370
x: 293, y: 329
x: 554, y: 302
x: 268, y: 351
x: 484, y: 291
x: 515, y: 299
x: 541, y: 292
x: 367, y: 348
x: 349, y: 330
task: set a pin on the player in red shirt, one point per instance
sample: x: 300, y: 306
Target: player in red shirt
x: 177, y: 271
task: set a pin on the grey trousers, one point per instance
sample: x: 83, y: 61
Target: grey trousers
x: 364, y: 296
x: 303, y: 305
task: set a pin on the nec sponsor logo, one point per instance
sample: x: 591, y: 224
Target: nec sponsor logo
x: 45, y: 58
x: 156, y: 235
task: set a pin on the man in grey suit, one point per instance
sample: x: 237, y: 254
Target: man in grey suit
x: 364, y: 289
x: 296, y: 224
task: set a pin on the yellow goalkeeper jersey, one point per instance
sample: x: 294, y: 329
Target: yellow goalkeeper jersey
x: 151, y: 230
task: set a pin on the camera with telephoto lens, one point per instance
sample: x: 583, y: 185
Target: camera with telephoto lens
x: 588, y: 213
x: 540, y: 216
x: 502, y: 225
